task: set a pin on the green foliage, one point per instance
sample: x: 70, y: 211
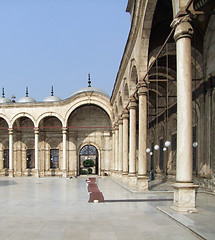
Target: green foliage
x: 90, y: 170
x: 84, y: 172
x: 88, y: 163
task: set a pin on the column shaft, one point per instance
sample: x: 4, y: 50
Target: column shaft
x: 64, y: 132
x: 142, y: 168
x: 132, y: 139
x: 184, y: 189
x: 184, y: 110
x: 116, y: 147
x: 113, y: 151
x: 36, y: 136
x: 120, y: 147
x: 10, y: 149
x: 125, y: 117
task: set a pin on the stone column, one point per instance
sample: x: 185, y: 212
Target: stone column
x: 116, y: 148
x: 64, y: 166
x: 132, y: 142
x: 11, y: 168
x: 184, y: 190
x: 113, y: 151
x: 120, y: 148
x: 125, y: 117
x: 142, y: 163
x: 36, y: 137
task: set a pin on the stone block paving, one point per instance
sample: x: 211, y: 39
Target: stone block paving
x: 58, y: 209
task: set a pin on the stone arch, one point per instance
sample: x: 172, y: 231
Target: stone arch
x: 120, y: 104
x: 4, y: 117
x: 49, y: 114
x: 125, y: 94
x: 23, y: 114
x: 86, y: 101
x: 89, y: 117
x: 133, y: 75
x: 209, y: 44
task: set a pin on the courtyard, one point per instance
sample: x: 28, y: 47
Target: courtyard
x: 58, y: 209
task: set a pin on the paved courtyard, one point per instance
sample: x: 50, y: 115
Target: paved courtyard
x: 58, y: 209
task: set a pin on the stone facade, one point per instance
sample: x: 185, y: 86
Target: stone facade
x: 61, y: 129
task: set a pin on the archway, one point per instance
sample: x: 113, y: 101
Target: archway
x: 88, y: 160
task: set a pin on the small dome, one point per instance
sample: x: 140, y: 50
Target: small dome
x: 27, y: 99
x: 91, y: 89
x: 3, y: 99
x: 52, y: 98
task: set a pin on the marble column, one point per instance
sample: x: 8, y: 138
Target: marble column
x: 64, y: 165
x: 11, y: 167
x: 132, y: 142
x: 142, y: 155
x: 116, y: 148
x: 36, y: 137
x: 113, y: 152
x: 120, y: 148
x: 184, y: 189
x: 125, y: 117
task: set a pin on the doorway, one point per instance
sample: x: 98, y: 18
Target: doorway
x: 88, y: 160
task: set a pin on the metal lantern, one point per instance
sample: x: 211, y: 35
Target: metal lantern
x: 148, y: 150
x: 156, y: 147
x: 167, y: 143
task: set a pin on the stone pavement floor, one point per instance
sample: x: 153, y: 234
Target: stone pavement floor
x: 58, y: 209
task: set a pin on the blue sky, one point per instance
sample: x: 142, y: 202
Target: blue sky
x: 58, y: 42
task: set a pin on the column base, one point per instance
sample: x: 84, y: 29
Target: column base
x: 184, y: 197
x: 125, y: 177
x: 142, y: 183
x: 65, y: 173
x: 11, y: 173
x: 119, y: 174
x: 132, y: 179
x: 36, y: 174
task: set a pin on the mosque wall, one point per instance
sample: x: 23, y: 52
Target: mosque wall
x: 81, y: 119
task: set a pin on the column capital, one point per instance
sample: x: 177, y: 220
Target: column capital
x: 120, y: 121
x: 142, y: 88
x: 64, y: 130
x: 36, y: 130
x: 182, y: 26
x: 116, y: 126
x: 125, y: 114
x: 10, y: 130
x: 132, y: 103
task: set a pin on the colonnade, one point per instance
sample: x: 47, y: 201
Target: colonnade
x: 36, y: 145
x: 125, y: 142
x: 125, y: 137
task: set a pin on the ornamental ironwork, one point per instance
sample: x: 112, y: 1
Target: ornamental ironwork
x: 198, y: 4
x: 88, y: 150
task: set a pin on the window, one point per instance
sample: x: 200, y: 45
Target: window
x: 174, y: 150
x: 30, y: 158
x: 194, y: 150
x: 54, y: 158
x: 152, y: 156
x: 6, y: 158
x: 161, y: 154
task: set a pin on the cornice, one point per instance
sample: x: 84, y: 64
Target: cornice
x: 135, y: 24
